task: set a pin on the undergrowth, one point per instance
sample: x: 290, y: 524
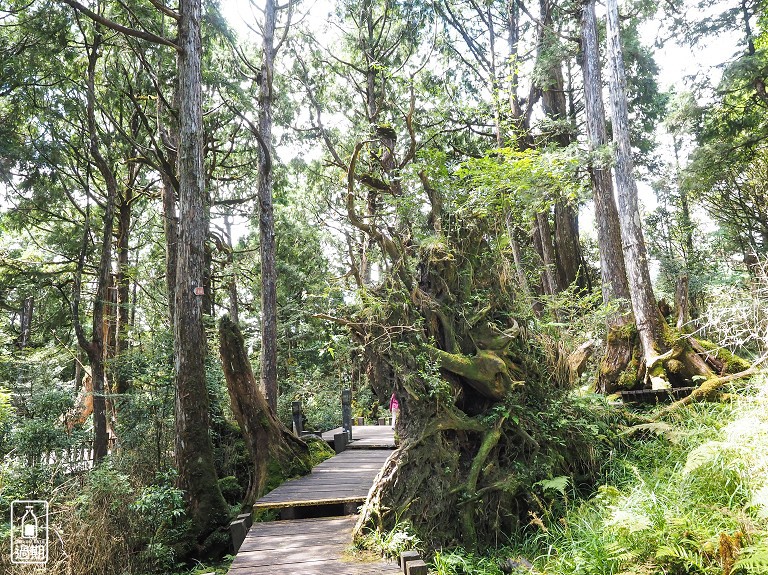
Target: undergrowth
x: 686, y: 495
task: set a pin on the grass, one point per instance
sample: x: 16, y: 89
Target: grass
x: 686, y: 495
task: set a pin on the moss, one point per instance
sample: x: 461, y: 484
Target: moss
x: 231, y: 489
x: 625, y: 332
x: 319, y: 450
x: 675, y: 367
x: 733, y: 363
x: 629, y: 377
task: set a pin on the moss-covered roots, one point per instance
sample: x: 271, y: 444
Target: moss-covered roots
x: 487, y: 371
x: 682, y: 361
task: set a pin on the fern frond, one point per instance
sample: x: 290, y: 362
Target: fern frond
x: 754, y: 561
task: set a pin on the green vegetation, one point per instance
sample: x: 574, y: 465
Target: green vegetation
x: 393, y: 211
x: 685, y: 495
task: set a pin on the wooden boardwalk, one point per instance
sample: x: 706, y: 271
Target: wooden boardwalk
x: 305, y: 547
x: 367, y: 437
x: 319, y: 545
x: 344, y: 478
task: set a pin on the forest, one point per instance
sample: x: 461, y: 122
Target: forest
x: 541, y: 225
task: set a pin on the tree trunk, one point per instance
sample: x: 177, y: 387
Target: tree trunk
x: 612, y: 271
x: 517, y: 256
x: 206, y: 507
x: 171, y: 229
x: 665, y: 361
x: 567, y: 250
x: 570, y: 259
x: 169, y: 190
x: 94, y: 348
x: 270, y: 444
x: 25, y: 327
x: 234, y: 306
x: 647, y: 317
x: 548, y: 254
x: 266, y: 215
x: 681, y: 302
x: 123, y: 281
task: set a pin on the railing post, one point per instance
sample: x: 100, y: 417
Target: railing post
x: 298, y: 424
x: 346, y: 411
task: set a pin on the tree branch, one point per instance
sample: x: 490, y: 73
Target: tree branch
x: 148, y: 36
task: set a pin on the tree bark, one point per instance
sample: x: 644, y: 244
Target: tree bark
x: 548, y: 254
x: 681, y: 302
x: 270, y: 444
x: 25, y: 327
x: 517, y: 256
x: 206, y: 508
x: 570, y: 259
x: 266, y: 214
x: 647, y: 317
x: 567, y: 250
x: 612, y: 271
x: 123, y: 283
x: 94, y: 348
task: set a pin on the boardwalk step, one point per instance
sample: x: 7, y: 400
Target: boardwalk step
x: 319, y: 545
x: 304, y: 547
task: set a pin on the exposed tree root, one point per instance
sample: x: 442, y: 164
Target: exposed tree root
x: 711, y: 386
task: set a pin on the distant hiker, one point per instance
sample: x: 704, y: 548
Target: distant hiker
x: 394, y: 407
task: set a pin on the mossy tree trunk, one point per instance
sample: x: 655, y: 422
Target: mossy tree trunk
x: 273, y: 449
x: 441, y: 336
x: 615, y: 288
x: 664, y: 357
x: 206, y: 507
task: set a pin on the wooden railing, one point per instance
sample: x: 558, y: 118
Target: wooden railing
x: 72, y: 460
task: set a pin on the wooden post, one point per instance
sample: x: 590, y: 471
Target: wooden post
x: 237, y: 533
x: 406, y: 557
x: 248, y: 518
x: 339, y: 442
x: 417, y: 567
x: 346, y: 411
x: 298, y: 424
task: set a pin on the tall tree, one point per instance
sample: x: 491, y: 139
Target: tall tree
x: 647, y: 316
x: 651, y: 328
x: 194, y: 451
x: 613, y: 274
x: 266, y: 211
x: 96, y: 348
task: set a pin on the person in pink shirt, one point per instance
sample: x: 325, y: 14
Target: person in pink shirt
x: 394, y: 407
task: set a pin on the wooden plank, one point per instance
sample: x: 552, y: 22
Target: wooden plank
x: 316, y: 546
x: 344, y: 478
x: 305, y: 547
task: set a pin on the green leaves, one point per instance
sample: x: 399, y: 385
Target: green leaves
x: 558, y: 484
x: 522, y: 183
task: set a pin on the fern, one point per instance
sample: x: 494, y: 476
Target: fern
x: 755, y: 563
x: 659, y: 428
x: 678, y: 554
x: 559, y: 484
x: 620, y: 553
